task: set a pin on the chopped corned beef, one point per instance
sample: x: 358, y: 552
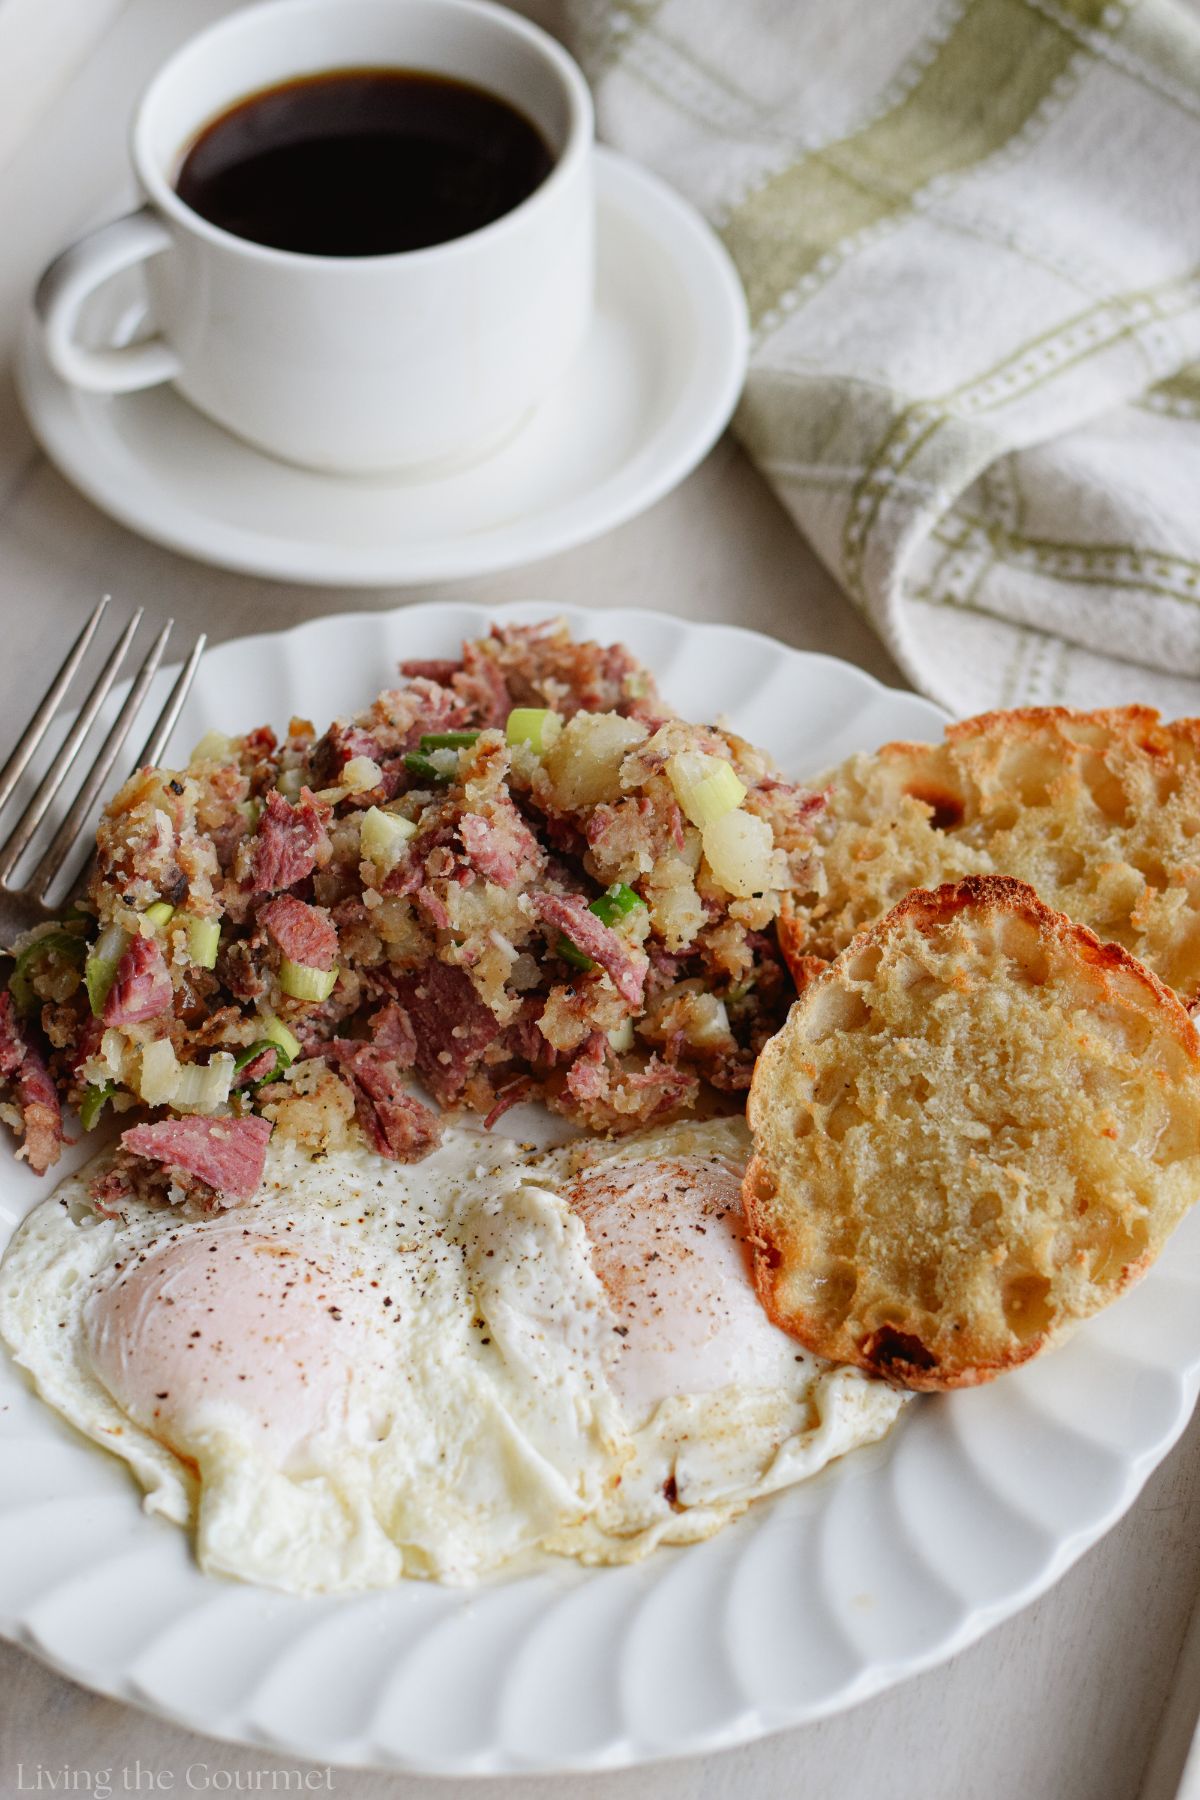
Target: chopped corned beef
x: 242, y: 967
x: 512, y: 1095
x: 571, y: 915
x: 587, y: 1077
x: 431, y: 707
x: 434, y: 907
x: 343, y: 742
x: 522, y: 1038
x: 391, y: 1028
x: 393, y: 1122
x: 306, y: 934
x: 13, y: 1048
x: 482, y: 685
x: 290, y: 842
x: 111, y: 1189
x: 452, y: 1025
x: 226, y: 1154
x: 409, y: 874
x: 668, y: 1085
x: 34, y: 1092
x: 431, y: 668
x: 604, y: 1096
x: 259, y: 743
x: 498, y: 844
x: 635, y: 825
x: 87, y: 1042
x: 142, y: 987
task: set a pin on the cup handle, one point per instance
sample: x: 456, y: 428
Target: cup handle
x: 67, y: 283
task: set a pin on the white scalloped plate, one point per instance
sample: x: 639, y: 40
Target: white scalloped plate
x: 887, y: 1563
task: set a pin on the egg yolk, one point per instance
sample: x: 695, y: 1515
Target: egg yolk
x: 668, y: 1242
x: 243, y: 1332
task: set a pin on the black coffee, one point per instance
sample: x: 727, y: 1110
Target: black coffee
x: 363, y: 162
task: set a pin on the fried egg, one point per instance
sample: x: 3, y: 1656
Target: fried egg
x: 375, y: 1370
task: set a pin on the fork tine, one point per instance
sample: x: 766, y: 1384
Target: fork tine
x: 35, y: 731
x: 86, y: 798
x: 156, y: 743
x: 35, y: 812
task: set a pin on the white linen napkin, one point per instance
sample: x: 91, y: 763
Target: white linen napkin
x: 969, y: 231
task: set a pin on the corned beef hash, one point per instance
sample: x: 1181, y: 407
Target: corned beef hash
x: 516, y: 874
x: 344, y: 1336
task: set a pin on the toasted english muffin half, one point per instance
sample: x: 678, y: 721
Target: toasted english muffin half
x: 976, y: 1128
x: 1099, y: 811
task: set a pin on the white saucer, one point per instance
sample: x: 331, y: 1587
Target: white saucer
x: 657, y: 380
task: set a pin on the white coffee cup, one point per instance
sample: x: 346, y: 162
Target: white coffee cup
x: 348, y: 364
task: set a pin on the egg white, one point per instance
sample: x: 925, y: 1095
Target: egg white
x: 375, y: 1371
x: 721, y: 1407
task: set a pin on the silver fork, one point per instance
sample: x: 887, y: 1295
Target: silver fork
x: 24, y: 906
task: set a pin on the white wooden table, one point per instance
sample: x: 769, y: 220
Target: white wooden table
x: 1070, y: 1701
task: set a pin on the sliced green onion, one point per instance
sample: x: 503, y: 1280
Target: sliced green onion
x: 161, y: 913
x: 706, y: 787
x: 276, y: 1032
x: 304, y: 983
x: 94, y: 1102
x: 383, y: 835
x: 447, y: 740
x: 203, y: 942
x: 289, y: 782
x: 204, y: 1086
x: 426, y: 768
x: 100, y: 969
x: 616, y: 903
x: 251, y: 811
x: 246, y: 1057
x: 58, y: 943
x: 571, y: 953
x: 621, y: 1037
x: 536, y: 726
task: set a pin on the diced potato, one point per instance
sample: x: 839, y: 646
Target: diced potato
x: 360, y: 774
x: 117, y: 1054
x: 214, y: 746
x: 708, y: 1022
x: 675, y: 907
x: 159, y: 1076
x: 312, y: 1105
x: 383, y: 835
x: 152, y: 787
x: 689, y: 1008
x: 289, y: 782
x: 584, y: 763
x: 740, y: 851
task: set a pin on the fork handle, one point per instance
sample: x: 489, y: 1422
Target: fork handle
x: 67, y: 284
